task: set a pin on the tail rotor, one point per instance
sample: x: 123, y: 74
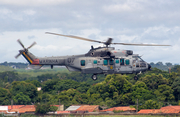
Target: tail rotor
x: 24, y: 49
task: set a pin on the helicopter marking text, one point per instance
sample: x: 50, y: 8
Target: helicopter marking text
x: 70, y: 60
x: 47, y: 61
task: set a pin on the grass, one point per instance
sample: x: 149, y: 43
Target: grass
x: 31, y: 115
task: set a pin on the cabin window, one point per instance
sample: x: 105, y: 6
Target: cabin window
x: 105, y: 62
x: 82, y: 62
x: 95, y: 61
x: 121, y: 61
x: 117, y: 61
x: 111, y: 62
x: 127, y: 61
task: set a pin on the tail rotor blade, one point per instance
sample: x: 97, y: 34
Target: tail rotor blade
x: 24, y: 49
x: 20, y: 43
x: 17, y: 55
x: 31, y: 45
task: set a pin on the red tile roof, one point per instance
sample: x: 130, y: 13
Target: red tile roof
x: 14, y: 106
x: 89, y: 108
x: 146, y: 111
x: 60, y: 112
x: 167, y: 109
x: 23, y: 109
x: 122, y: 108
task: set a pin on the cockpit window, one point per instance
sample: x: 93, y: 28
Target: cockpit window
x: 111, y: 62
x: 127, y: 61
x: 138, y: 58
x: 95, y: 61
x: 105, y: 62
x: 82, y: 62
x: 117, y: 61
x: 121, y: 61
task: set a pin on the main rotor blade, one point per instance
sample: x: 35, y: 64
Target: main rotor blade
x: 133, y: 44
x: 76, y: 37
x: 31, y: 45
x: 20, y: 43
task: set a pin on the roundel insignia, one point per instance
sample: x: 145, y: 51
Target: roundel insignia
x: 111, y: 67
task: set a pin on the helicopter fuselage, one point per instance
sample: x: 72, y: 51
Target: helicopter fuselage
x: 100, y: 60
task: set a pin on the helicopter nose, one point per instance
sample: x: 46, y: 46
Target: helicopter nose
x: 149, y: 67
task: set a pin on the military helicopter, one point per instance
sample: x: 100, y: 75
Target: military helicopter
x: 102, y: 60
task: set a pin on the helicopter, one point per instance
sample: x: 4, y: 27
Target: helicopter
x: 101, y: 60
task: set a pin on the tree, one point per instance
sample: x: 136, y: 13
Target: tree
x: 21, y: 99
x: 42, y: 108
x: 140, y: 91
x: 36, y: 83
x: 26, y: 88
x: 5, y: 96
x: 152, y: 81
x: 114, y: 89
x: 53, y: 108
x: 150, y: 104
x: 49, y: 85
x: 168, y: 64
x: 164, y: 93
x: 176, y: 88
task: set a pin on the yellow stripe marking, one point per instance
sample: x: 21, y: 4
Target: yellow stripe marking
x: 27, y: 57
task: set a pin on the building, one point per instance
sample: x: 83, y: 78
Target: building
x: 23, y: 108
x: 166, y: 109
x: 83, y: 108
x: 121, y: 108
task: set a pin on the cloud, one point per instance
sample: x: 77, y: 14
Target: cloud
x: 33, y: 2
x: 137, y: 21
x: 29, y: 12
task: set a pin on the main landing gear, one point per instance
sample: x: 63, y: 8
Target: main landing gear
x: 94, y: 77
x: 136, y: 76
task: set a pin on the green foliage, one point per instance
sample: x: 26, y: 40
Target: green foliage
x: 21, y: 99
x: 176, y: 68
x: 117, y: 111
x: 9, y: 76
x: 5, y: 68
x: 53, y: 108
x: 164, y: 93
x: 26, y: 88
x: 176, y: 88
x: 150, y: 104
x: 154, y: 88
x: 42, y: 108
x: 152, y: 81
x: 5, y: 96
x: 36, y: 83
x: 18, y: 65
x: 140, y: 91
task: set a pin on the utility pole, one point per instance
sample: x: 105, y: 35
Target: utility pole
x: 137, y: 106
x: 11, y: 103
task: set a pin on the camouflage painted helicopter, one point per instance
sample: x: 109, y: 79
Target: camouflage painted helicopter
x: 102, y: 60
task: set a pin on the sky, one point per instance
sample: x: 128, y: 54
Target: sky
x: 126, y: 21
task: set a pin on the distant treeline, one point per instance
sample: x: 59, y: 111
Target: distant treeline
x: 17, y: 65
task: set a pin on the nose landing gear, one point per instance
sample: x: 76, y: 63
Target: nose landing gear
x: 94, y: 77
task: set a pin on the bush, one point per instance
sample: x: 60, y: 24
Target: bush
x: 42, y: 108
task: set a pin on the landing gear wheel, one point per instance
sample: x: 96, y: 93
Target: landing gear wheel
x: 135, y: 77
x: 94, y: 77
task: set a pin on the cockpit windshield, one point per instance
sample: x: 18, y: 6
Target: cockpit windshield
x: 138, y: 58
